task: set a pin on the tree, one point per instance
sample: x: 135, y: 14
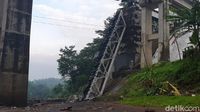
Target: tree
x: 127, y: 3
x: 187, y: 20
x: 77, y: 66
x: 67, y: 61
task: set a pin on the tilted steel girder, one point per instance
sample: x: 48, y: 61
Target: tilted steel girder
x: 104, y: 70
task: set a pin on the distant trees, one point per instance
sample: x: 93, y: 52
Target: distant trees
x: 38, y: 91
x: 42, y: 89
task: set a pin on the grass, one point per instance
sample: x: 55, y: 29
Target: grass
x: 162, y: 101
x: 144, y: 88
x: 185, y: 75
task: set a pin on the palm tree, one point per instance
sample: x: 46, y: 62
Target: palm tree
x: 186, y: 20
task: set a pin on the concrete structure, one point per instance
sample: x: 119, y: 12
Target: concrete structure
x: 154, y: 33
x: 15, y: 22
x: 147, y: 36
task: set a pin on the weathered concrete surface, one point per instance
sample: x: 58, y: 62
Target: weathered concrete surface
x: 13, y: 88
x: 15, y: 23
x: 162, y: 36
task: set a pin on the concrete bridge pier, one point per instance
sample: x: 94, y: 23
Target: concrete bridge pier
x: 163, y: 34
x: 148, y: 36
x: 15, y: 23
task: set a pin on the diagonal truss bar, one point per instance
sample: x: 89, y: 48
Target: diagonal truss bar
x: 104, y: 70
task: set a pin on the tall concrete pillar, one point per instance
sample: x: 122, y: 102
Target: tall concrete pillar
x: 163, y: 47
x: 146, y: 50
x: 15, y: 23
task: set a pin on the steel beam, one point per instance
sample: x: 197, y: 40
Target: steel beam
x: 105, y: 67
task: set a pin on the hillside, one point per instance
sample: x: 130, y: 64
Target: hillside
x: 50, y: 82
x: 163, y: 84
x: 43, y: 88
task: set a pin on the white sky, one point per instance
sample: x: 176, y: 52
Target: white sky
x: 59, y: 23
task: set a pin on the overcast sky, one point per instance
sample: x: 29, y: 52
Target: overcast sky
x: 59, y: 23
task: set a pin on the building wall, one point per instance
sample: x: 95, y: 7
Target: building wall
x: 14, y: 58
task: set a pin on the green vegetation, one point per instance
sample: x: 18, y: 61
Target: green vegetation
x: 154, y: 86
x: 145, y: 88
x: 184, y: 74
x: 148, y: 87
x: 162, y: 101
x: 80, y: 66
x: 161, y: 84
x: 77, y: 67
x: 42, y: 89
x: 187, y: 20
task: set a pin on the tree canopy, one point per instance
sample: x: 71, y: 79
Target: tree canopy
x: 77, y: 66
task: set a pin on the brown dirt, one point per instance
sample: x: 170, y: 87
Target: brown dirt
x: 81, y: 107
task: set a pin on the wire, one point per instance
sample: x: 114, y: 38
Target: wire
x: 69, y: 21
x: 62, y: 25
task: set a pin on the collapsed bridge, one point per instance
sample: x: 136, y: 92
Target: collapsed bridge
x: 135, y: 41
x: 148, y: 37
x: 121, y: 50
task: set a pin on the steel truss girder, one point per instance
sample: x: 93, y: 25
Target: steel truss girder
x: 104, y: 70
